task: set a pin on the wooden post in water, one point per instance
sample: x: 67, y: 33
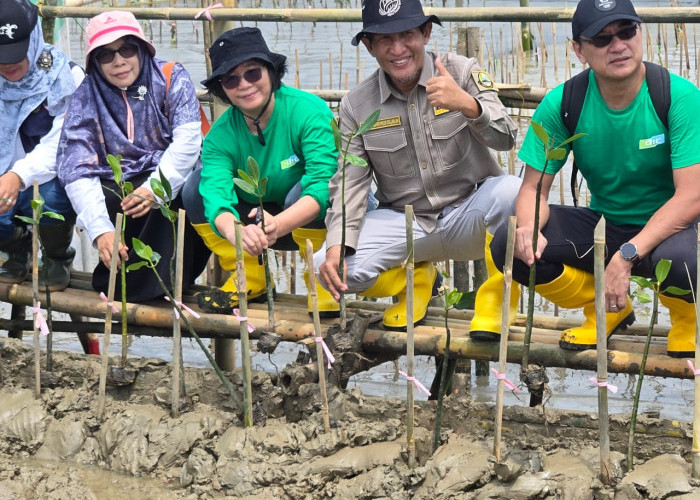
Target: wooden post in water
x: 602, y: 351
x: 409, y: 338
x: 177, y: 295
x: 35, y: 293
x: 525, y: 29
x: 243, y: 318
x: 696, y: 412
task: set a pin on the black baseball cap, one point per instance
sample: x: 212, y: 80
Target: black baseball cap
x: 17, y: 21
x: 391, y: 16
x: 592, y: 16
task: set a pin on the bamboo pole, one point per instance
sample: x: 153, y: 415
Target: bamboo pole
x: 317, y: 337
x: 503, y: 346
x: 177, y: 295
x: 409, y: 338
x: 35, y: 293
x: 108, y: 318
x: 696, y: 384
x: 243, y: 318
x: 602, y: 351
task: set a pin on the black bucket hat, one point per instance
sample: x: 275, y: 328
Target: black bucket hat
x: 391, y: 16
x: 592, y: 16
x: 17, y: 21
x: 237, y: 46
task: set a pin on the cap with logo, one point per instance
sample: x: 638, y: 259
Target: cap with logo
x: 391, y: 16
x: 592, y: 16
x: 17, y: 21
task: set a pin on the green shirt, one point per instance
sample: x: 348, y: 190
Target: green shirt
x: 299, y: 146
x: 627, y: 156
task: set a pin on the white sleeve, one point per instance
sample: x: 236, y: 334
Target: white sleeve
x: 180, y: 157
x: 88, y: 201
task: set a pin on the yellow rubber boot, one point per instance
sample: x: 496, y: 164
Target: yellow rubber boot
x: 393, y: 282
x: 575, y: 288
x: 681, y: 338
x: 488, y: 306
x: 328, y: 307
x: 224, y: 299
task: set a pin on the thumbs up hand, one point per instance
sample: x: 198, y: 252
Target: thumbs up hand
x: 444, y: 92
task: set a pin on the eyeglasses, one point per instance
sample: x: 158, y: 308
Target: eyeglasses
x: 106, y: 56
x: 230, y: 82
x: 600, y: 41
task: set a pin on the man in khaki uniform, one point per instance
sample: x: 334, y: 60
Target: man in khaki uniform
x: 430, y: 148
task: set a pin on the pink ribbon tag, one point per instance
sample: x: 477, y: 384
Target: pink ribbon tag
x: 611, y: 388
x: 206, y: 10
x: 329, y: 354
x: 237, y: 314
x: 417, y: 383
x: 39, y: 320
x: 502, y: 376
x: 692, y: 368
x: 110, y: 304
x: 184, y: 308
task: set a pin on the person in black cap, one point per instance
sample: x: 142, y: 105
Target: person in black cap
x: 431, y: 148
x: 643, y: 176
x: 288, y: 133
x: 36, y: 84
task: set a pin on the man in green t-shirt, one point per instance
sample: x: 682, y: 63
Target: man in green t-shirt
x: 643, y: 177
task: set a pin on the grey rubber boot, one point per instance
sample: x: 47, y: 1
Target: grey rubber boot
x: 18, y: 248
x: 57, y: 257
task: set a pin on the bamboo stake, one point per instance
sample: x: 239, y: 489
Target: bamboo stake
x: 505, y: 328
x: 297, y: 83
x: 243, y: 318
x: 35, y: 293
x: 330, y: 70
x: 317, y: 337
x: 108, y: 318
x: 177, y: 295
x: 409, y: 338
x: 554, y: 52
x: 602, y: 351
x: 696, y: 410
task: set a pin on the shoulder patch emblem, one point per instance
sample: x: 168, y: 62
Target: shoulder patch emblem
x: 483, y: 80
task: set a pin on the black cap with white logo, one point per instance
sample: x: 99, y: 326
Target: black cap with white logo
x: 391, y: 16
x: 592, y: 16
x: 17, y: 21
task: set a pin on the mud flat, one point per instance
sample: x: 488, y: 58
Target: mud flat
x: 56, y: 448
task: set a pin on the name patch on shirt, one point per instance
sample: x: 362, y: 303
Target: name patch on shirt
x: 483, y: 80
x: 439, y: 111
x: 289, y: 162
x: 392, y: 121
x: 652, y: 142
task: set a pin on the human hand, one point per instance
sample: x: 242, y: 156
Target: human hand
x: 444, y: 92
x: 105, y: 244
x: 523, y: 245
x: 272, y: 226
x: 10, y: 183
x: 138, y: 203
x: 253, y: 239
x: 617, y: 283
x: 328, y: 273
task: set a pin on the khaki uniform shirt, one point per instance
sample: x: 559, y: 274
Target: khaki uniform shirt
x: 418, y: 155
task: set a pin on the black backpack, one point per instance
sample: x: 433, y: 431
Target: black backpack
x: 658, y: 83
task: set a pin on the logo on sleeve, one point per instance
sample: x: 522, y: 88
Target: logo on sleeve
x: 289, y: 162
x: 483, y: 80
x: 652, y: 142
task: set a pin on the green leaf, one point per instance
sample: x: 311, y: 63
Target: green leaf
x: 166, y: 185
x: 556, y: 154
x: 245, y: 186
x: 572, y: 139
x: 356, y: 160
x: 253, y: 169
x: 662, y: 269
x: 26, y: 220
x: 244, y: 176
x: 137, y: 265
x: 128, y: 188
x: 155, y: 258
x: 641, y: 282
x: 368, y: 123
x: 337, y: 135
x: 157, y: 189
x: 676, y: 291
x: 115, y: 164
x: 142, y: 250
x: 263, y: 186
x: 38, y: 205
x: 453, y: 298
x: 53, y: 215
x: 541, y: 133
x: 643, y: 297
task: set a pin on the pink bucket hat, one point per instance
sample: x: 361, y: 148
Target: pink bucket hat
x: 107, y: 27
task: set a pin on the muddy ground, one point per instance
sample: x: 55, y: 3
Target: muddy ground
x: 56, y: 448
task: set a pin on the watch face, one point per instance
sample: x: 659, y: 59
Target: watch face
x: 628, y: 251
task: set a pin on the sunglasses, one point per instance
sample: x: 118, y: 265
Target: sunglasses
x: 106, y: 56
x: 230, y: 82
x: 601, y: 41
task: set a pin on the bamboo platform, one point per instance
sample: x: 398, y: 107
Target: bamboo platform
x: 293, y: 324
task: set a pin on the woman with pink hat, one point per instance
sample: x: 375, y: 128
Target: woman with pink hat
x: 126, y: 107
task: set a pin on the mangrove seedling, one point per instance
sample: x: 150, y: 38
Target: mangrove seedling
x: 346, y: 158
x: 38, y: 209
x: 534, y: 376
x: 251, y: 183
x: 654, y: 285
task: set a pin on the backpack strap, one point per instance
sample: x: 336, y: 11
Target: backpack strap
x: 167, y: 70
x: 571, y: 105
x: 659, y: 84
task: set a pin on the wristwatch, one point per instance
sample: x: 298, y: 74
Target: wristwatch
x: 628, y: 251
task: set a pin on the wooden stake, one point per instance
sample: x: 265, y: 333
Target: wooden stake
x: 409, y: 337
x: 602, y: 351
x: 554, y: 52
x: 696, y: 411
x: 245, y: 339
x: 317, y: 336
x: 108, y: 317
x: 35, y: 293
x: 177, y: 295
x: 505, y: 329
